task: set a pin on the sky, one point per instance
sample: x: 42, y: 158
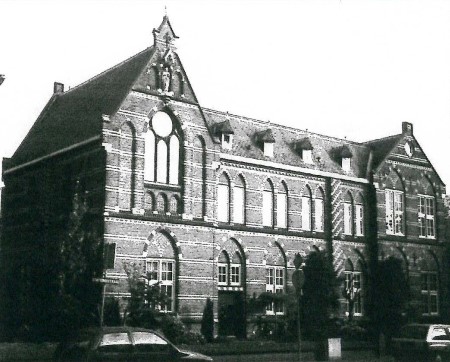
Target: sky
x: 354, y: 69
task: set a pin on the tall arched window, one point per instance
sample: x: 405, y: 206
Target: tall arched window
x: 430, y: 287
x: 174, y: 160
x: 426, y: 210
x: 126, y: 163
x: 161, y: 170
x: 199, y: 177
x: 306, y: 208
x: 394, y: 205
x: 282, y: 203
x: 275, y: 277
x: 162, y: 150
x: 359, y: 215
x: 149, y: 157
x: 223, y: 199
x: 267, y: 204
x: 160, y: 268
x: 318, y: 210
x: 348, y: 214
x: 353, y: 288
x: 239, y: 201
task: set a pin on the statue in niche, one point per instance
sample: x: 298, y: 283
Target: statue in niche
x: 165, y: 77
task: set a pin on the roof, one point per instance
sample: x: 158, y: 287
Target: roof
x: 382, y: 147
x: 76, y: 115
x: 246, y: 144
x: 304, y: 144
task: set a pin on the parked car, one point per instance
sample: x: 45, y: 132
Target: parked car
x: 122, y: 344
x: 422, y: 342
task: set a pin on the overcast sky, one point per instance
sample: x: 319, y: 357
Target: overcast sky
x: 354, y: 69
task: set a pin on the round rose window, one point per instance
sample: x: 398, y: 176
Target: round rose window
x: 162, y: 124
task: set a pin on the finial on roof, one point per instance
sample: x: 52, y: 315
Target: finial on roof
x: 164, y: 35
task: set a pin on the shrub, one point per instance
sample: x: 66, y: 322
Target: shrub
x: 353, y: 331
x: 173, y: 328
x: 207, y: 327
x: 111, y: 313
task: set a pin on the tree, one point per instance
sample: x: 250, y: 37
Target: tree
x: 320, y: 298
x: 207, y: 327
x: 145, y: 301
x: 80, y: 261
x: 392, y: 293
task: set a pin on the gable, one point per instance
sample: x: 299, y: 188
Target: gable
x: 407, y: 155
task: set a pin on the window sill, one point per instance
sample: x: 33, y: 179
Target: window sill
x: 427, y: 237
x: 161, y: 185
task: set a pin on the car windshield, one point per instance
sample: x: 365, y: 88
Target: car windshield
x: 439, y: 333
x: 414, y: 332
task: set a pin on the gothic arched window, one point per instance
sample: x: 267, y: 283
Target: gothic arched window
x: 348, y: 214
x: 223, y: 199
x: 162, y: 150
x: 306, y: 208
x: 282, y: 202
x: 239, y: 201
x: 267, y: 204
x: 318, y: 210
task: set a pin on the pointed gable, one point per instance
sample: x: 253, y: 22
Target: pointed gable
x: 164, y: 74
x: 403, y: 149
x: 164, y: 36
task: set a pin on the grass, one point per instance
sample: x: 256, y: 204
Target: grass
x: 26, y: 351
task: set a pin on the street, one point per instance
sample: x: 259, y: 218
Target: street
x: 366, y: 356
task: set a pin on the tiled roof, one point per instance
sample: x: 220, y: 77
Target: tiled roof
x: 76, y: 115
x: 382, y: 147
x: 245, y: 144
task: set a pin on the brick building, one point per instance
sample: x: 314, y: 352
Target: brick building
x: 214, y: 204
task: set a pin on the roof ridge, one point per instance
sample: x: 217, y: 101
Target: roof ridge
x: 382, y: 138
x: 107, y: 70
x: 306, y: 132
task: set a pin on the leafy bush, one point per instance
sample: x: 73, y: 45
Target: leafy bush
x: 111, y: 314
x: 353, y: 331
x: 175, y: 330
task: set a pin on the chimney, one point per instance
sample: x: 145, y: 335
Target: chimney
x: 407, y: 128
x: 58, y: 88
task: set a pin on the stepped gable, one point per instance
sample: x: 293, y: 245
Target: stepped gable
x: 324, y: 148
x: 382, y: 147
x: 76, y: 115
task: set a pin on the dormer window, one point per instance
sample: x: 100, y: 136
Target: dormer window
x: 268, y: 149
x: 307, y: 156
x: 346, y: 156
x: 227, y: 141
x: 266, y: 141
x: 346, y: 164
x: 304, y: 149
x: 225, y: 132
